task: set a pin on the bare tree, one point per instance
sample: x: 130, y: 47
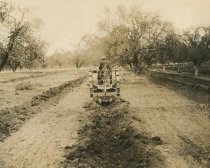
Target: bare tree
x: 77, y: 58
x: 78, y: 62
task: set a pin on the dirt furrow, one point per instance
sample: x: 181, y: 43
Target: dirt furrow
x: 11, y: 119
x: 40, y: 142
x: 180, y: 122
x: 35, y: 75
x: 150, y: 126
x: 108, y: 140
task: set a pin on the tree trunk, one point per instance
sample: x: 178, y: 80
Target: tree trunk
x: 14, y: 67
x: 196, y: 71
x: 133, y: 75
x: 209, y: 101
x: 10, y: 46
x: 4, y: 61
x: 164, y: 68
x: 136, y: 63
x: 6, y: 55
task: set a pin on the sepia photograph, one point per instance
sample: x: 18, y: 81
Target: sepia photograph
x: 104, y: 84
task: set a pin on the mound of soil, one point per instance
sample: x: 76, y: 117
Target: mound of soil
x: 192, y: 149
x: 11, y: 119
x: 194, y: 89
x: 110, y: 141
x: 55, y: 91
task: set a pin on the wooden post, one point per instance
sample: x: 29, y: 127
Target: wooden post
x: 209, y: 101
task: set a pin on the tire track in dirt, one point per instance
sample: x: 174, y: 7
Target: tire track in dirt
x: 108, y: 140
x: 187, y: 146
x: 13, y: 118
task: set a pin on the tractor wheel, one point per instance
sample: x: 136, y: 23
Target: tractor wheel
x: 91, y: 92
x: 118, y: 91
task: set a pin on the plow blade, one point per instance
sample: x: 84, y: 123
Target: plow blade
x: 105, y: 100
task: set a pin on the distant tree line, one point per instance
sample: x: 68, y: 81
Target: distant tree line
x: 59, y: 59
x: 129, y: 37
x: 20, y: 46
x: 66, y: 59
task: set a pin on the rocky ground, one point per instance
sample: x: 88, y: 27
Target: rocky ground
x: 149, y: 126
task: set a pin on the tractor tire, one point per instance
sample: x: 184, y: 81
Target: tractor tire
x: 118, y: 91
x: 91, y: 92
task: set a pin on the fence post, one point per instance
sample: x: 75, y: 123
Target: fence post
x: 209, y: 101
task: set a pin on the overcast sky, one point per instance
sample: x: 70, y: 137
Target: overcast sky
x: 66, y: 21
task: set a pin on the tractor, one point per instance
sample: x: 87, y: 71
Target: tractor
x: 104, y: 83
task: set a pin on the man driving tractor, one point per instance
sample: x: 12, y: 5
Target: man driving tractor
x: 104, y: 80
x: 105, y: 72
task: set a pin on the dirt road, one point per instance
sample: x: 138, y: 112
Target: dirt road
x: 151, y: 126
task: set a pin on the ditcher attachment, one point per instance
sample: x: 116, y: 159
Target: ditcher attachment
x: 105, y: 100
